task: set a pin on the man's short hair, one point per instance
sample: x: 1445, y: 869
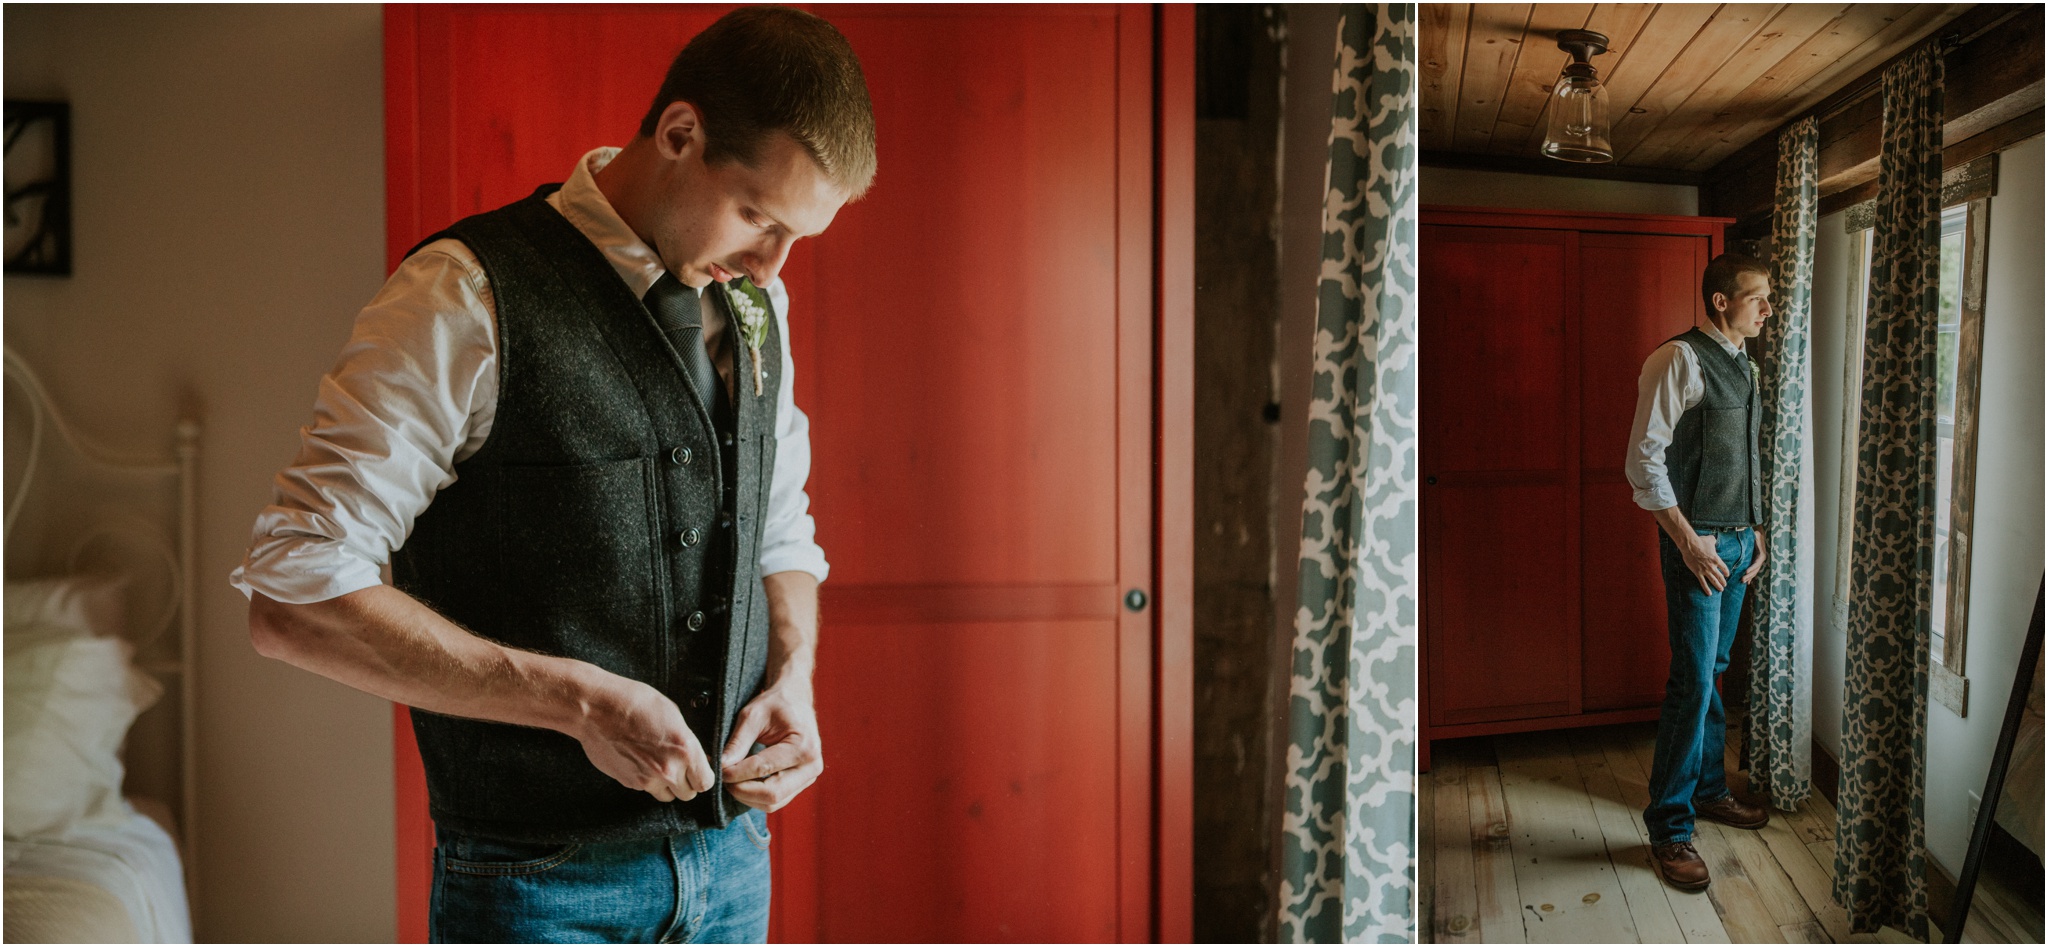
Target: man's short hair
x: 762, y: 70
x: 1724, y: 273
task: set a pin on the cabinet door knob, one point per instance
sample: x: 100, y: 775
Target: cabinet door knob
x: 1429, y: 480
x: 1135, y: 600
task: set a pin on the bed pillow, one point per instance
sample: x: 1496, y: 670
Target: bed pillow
x: 89, y: 604
x: 71, y: 693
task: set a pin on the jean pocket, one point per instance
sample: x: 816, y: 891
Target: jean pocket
x: 480, y: 856
x: 755, y: 823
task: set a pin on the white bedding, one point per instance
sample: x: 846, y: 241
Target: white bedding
x: 62, y: 889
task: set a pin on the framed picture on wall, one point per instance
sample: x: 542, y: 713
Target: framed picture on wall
x: 38, y: 187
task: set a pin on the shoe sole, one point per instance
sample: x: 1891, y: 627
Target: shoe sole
x: 1756, y: 827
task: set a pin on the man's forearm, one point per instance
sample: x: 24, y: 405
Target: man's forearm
x: 1675, y: 524
x: 384, y: 642
x: 793, y: 628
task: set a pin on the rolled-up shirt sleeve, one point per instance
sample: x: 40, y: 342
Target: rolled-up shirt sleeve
x: 412, y: 393
x: 789, y: 537
x: 1669, y: 385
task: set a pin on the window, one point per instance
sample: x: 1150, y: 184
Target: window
x: 1947, y: 331
x: 1958, y: 341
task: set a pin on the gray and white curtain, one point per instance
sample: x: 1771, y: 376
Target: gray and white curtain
x: 1779, y: 736
x: 1880, y: 875
x: 1348, y: 849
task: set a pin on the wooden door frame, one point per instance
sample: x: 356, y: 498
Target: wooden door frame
x: 1155, y: 544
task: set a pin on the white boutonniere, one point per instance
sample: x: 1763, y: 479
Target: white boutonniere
x: 750, y: 307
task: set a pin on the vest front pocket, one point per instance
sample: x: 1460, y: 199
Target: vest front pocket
x: 578, y: 536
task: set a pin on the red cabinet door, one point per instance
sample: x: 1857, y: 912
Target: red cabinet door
x: 1649, y: 293
x: 1499, y: 461
x: 978, y: 346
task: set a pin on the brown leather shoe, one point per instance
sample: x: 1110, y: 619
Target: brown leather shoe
x: 1680, y: 865
x: 1731, y: 811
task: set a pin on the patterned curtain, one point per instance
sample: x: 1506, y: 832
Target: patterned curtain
x: 1348, y: 850
x: 1881, y: 858
x: 1779, y: 743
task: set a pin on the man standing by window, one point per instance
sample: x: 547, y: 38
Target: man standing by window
x: 1693, y: 463
x: 567, y: 424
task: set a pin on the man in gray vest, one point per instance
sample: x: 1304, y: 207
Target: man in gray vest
x: 1693, y: 463
x: 566, y: 424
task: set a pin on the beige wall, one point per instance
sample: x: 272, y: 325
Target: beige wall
x: 1463, y: 188
x: 229, y: 204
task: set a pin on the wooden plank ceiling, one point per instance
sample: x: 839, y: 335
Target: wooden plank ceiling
x: 1687, y: 83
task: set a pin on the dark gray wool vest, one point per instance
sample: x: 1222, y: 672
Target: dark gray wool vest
x: 594, y: 523
x: 1713, y: 457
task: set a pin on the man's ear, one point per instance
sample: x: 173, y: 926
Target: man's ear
x: 1720, y: 301
x: 680, y: 130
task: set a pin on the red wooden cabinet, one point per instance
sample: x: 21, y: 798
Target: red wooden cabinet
x: 1542, y: 606
x: 995, y: 351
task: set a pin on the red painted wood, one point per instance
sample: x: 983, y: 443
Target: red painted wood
x: 414, y: 830
x: 1493, y: 305
x: 1494, y: 443
x: 1136, y: 875
x: 1622, y: 284
x: 1648, y: 291
x: 1008, y: 746
x: 1174, y: 420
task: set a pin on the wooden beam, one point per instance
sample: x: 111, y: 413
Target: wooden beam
x: 1955, y: 156
x: 1523, y: 164
x: 1992, y: 92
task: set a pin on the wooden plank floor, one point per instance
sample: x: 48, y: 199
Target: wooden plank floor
x: 1538, y: 838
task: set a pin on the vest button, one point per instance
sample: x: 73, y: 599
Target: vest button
x: 699, y: 700
x: 680, y: 456
x: 695, y: 622
x: 692, y: 536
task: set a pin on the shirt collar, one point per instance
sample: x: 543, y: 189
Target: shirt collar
x: 1734, y: 348
x: 585, y: 206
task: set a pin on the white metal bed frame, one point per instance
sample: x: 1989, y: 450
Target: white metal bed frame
x: 133, y: 508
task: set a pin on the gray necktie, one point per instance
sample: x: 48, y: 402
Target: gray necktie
x: 678, y: 310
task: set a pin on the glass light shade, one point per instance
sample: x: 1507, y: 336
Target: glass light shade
x: 1578, y: 121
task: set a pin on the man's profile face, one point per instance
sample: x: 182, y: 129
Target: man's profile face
x: 715, y: 221
x: 1744, y: 315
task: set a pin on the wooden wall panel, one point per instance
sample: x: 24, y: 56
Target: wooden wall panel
x: 1642, y: 289
x: 1501, y: 645
x: 1501, y: 296
x: 1625, y: 636
x: 983, y: 743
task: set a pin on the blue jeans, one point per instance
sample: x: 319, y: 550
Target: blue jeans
x: 707, y: 887
x: 1692, y: 730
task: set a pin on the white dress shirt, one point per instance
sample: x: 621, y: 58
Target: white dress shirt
x: 1671, y: 385
x: 415, y: 392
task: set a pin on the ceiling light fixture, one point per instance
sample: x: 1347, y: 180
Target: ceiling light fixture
x: 1578, y: 105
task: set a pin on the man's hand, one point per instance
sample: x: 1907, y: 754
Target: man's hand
x: 637, y: 736
x: 1756, y: 564
x: 1700, y: 555
x: 783, y: 719
x: 1704, y: 560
